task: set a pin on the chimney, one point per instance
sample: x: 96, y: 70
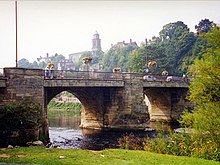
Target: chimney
x: 146, y: 41
x: 130, y: 41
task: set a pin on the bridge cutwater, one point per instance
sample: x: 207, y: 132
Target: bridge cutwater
x: 110, y: 100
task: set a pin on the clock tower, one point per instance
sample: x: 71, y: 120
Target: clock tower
x: 96, y: 43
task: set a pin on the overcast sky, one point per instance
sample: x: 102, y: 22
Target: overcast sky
x: 66, y: 27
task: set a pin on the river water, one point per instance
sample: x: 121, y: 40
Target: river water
x: 64, y: 132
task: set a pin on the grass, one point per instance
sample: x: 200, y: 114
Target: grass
x: 45, y: 156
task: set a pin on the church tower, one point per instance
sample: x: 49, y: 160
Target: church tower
x: 96, y: 43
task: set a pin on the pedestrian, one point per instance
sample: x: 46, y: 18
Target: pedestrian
x: 51, y: 71
x: 47, y: 72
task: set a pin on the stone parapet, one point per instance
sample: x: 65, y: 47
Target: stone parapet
x: 82, y: 83
x: 165, y: 84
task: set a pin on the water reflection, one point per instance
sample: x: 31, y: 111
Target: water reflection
x: 65, y: 133
x: 65, y: 122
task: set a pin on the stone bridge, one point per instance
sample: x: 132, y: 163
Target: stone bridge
x: 110, y: 100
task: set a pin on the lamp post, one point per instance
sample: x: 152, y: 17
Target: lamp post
x: 16, y: 34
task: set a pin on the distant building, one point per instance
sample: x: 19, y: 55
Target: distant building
x: 76, y: 56
x: 66, y: 64
x: 46, y: 59
x: 123, y: 44
x: 96, y: 46
x: 70, y: 64
x: 96, y: 43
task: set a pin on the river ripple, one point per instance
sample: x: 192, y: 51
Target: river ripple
x: 65, y: 133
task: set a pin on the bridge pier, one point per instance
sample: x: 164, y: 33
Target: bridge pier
x: 27, y: 120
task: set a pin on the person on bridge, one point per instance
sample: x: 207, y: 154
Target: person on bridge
x: 51, y: 70
x: 47, y: 72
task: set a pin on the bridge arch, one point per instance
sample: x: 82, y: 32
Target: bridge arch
x: 91, y: 100
x: 159, y: 104
x: 166, y: 104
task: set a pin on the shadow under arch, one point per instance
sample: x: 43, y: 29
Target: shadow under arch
x: 158, y: 101
x: 165, y: 106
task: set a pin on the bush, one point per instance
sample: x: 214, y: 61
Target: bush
x: 131, y: 142
x: 194, y: 144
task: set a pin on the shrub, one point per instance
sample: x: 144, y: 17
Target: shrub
x: 182, y: 144
x: 131, y: 142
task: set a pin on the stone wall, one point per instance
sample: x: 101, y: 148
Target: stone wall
x: 133, y: 111
x: 25, y: 84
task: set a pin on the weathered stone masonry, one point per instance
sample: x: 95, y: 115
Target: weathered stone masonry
x: 23, y: 84
x: 107, y: 103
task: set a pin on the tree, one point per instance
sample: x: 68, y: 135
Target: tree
x: 23, y: 63
x: 117, y: 57
x: 173, y: 30
x: 137, y: 60
x: 204, y: 26
x: 205, y: 91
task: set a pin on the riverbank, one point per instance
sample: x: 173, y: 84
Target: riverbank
x: 46, y: 156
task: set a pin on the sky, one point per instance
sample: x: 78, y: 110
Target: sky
x: 66, y: 27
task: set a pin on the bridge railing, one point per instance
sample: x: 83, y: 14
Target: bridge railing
x: 71, y: 74
x: 170, y: 78
x: 94, y: 75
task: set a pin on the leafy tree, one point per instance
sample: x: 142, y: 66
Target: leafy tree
x: 23, y: 63
x: 173, y: 30
x: 205, y: 91
x: 137, y: 60
x: 204, y: 26
x: 199, y: 47
x: 156, y: 52
x: 98, y: 57
x: 35, y: 64
x: 171, y: 48
x: 117, y: 57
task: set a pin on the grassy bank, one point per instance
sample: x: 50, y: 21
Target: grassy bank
x: 63, y: 112
x: 41, y: 155
x: 64, y: 109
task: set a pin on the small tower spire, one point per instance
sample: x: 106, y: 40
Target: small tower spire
x: 96, y: 43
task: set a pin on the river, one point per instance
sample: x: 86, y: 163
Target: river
x: 64, y: 132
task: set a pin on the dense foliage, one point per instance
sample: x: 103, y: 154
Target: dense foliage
x: 205, y: 92
x: 117, y: 57
x: 19, y: 117
x: 174, y: 50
